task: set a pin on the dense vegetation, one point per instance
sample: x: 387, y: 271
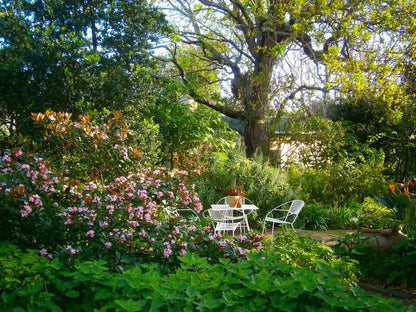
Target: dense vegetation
x: 101, y: 145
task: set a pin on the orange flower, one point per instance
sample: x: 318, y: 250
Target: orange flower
x: 406, y: 190
x: 391, y: 187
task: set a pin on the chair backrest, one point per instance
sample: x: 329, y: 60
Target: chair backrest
x: 216, y: 215
x: 222, y: 201
x: 296, y: 206
x: 188, y: 214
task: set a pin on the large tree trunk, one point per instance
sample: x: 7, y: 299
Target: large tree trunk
x: 254, y: 94
x: 256, y: 137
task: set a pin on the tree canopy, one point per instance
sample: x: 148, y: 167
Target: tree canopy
x: 73, y: 55
x: 353, y: 46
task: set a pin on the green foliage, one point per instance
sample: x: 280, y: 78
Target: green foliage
x: 262, y: 282
x: 375, y: 215
x: 355, y: 245
x: 387, y: 129
x: 76, y: 57
x: 305, y: 251
x: 313, y: 217
x: 330, y: 184
x: 403, y: 209
x: 187, y: 130
x: 392, y: 267
x: 342, y: 217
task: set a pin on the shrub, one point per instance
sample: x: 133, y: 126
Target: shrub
x: 70, y: 144
x: 375, y: 215
x: 124, y: 221
x: 342, y: 217
x: 312, y: 217
x: 336, y: 183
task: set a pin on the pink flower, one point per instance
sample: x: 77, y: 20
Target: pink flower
x: 192, y: 228
x: 242, y: 238
x: 108, y: 245
x: 26, y: 210
x: 43, y: 252
x: 36, y: 200
x: 198, y: 207
x: 182, y: 252
x: 90, y: 233
x: 71, y: 250
x: 96, y: 199
x: 25, y: 167
x: 222, y: 243
x: 167, y: 252
x: 18, y: 153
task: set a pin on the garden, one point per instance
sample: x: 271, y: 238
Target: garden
x: 116, y: 117
x: 88, y: 239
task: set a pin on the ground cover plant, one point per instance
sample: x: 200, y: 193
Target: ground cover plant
x: 262, y: 282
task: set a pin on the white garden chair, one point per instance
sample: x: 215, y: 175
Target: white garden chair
x: 188, y: 214
x: 286, y: 213
x: 241, y: 214
x: 223, y: 222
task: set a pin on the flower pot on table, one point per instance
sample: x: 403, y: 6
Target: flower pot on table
x: 234, y: 201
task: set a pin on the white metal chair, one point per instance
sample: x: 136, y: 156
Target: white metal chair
x: 223, y: 222
x: 284, y: 216
x: 185, y: 214
x: 188, y: 214
x: 242, y: 215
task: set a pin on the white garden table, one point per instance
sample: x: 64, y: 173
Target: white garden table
x: 244, y: 209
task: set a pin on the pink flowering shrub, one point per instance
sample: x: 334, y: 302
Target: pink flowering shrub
x: 131, y: 219
x: 91, y: 150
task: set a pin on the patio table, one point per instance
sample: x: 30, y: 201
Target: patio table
x: 245, y: 209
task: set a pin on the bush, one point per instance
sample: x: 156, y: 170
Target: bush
x: 394, y: 267
x: 69, y: 145
x: 336, y: 183
x: 262, y: 283
x: 312, y: 217
x: 377, y: 216
x: 125, y: 221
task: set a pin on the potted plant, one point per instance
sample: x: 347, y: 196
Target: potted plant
x: 235, y: 194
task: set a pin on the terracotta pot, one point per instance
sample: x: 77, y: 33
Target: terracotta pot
x: 233, y: 201
x: 385, y: 238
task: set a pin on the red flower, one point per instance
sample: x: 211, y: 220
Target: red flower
x: 391, y: 187
x: 236, y: 190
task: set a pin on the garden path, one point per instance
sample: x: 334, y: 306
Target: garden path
x: 324, y: 237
